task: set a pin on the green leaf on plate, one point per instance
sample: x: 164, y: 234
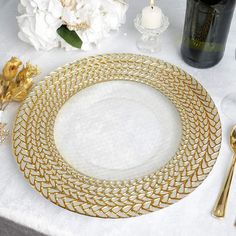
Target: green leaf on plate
x: 70, y: 36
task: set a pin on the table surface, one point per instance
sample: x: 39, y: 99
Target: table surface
x: 190, y: 216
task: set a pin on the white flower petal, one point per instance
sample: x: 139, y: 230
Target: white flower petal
x: 40, y: 19
x: 55, y: 8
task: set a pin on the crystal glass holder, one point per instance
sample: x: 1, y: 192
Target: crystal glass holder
x: 150, y: 39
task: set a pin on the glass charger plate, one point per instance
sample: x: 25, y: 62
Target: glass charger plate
x: 66, y: 157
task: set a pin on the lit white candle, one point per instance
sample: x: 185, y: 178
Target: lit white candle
x: 151, y: 16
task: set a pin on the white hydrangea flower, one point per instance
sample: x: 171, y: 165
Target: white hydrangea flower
x: 39, y: 21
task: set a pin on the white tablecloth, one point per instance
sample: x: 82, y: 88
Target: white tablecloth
x: 190, y: 216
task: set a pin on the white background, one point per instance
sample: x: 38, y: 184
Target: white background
x: 190, y: 216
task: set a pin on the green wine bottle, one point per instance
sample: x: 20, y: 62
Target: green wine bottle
x: 207, y: 24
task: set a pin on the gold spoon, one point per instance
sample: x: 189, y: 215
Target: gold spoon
x: 219, y: 210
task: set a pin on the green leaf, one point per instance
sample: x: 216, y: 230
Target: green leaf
x: 70, y: 36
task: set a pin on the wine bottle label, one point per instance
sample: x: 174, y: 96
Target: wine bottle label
x: 203, y: 46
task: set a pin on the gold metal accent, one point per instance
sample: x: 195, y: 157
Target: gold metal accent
x: 47, y: 171
x: 14, y: 86
x: 11, y: 68
x: 220, y: 207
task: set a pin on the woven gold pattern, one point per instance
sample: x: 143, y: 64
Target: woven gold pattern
x: 56, y: 180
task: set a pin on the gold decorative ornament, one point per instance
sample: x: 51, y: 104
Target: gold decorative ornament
x: 10, y: 69
x: 14, y: 86
x: 47, y: 171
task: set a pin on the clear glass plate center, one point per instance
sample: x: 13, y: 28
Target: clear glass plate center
x: 118, y: 130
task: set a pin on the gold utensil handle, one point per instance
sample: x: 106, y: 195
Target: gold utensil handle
x: 219, y: 210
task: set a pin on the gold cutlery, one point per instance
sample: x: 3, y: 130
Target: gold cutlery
x: 219, y: 209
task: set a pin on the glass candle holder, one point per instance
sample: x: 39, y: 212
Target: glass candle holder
x: 150, y: 39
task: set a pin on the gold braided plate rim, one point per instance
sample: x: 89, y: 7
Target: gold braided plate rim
x: 47, y: 171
